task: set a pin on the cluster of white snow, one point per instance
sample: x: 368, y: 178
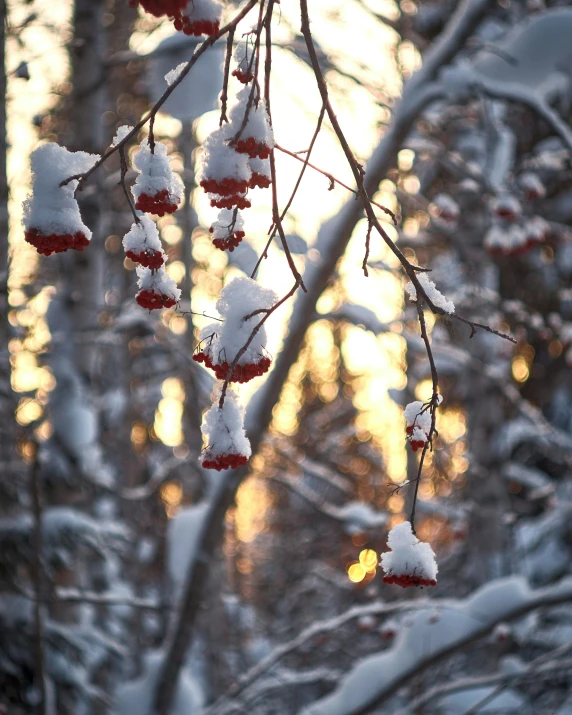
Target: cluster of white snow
x: 258, y: 124
x: 408, y: 555
x: 142, y: 236
x: 51, y: 208
x: 432, y: 293
x: 158, y: 282
x: 223, y: 429
x: 155, y: 173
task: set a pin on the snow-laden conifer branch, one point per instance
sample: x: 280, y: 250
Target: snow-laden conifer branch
x: 418, y: 646
x: 544, y: 666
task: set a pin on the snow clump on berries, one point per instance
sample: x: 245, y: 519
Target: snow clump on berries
x: 157, y: 189
x: 418, y: 419
x: 444, y: 209
x: 240, y: 298
x: 257, y: 137
x: 532, y: 186
x: 52, y: 220
x: 143, y: 245
x: 507, y: 207
x: 228, y: 230
x: 157, y: 289
x: 435, y: 296
x: 410, y: 562
x: 199, y: 17
x: 223, y: 171
x: 227, y: 445
x: 261, y: 177
x: 243, y: 54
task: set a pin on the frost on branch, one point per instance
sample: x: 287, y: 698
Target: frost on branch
x: 257, y: 138
x: 52, y: 220
x: 157, y: 190
x: 240, y: 298
x: 433, y: 294
x: 199, y: 17
x: 410, y: 562
x: 228, y: 230
x: 157, y: 289
x: 143, y: 245
x: 227, y: 445
x: 418, y: 419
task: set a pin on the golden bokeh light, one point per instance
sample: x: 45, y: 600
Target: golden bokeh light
x: 356, y: 572
x: 368, y: 559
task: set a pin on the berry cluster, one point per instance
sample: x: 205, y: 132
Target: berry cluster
x: 259, y: 180
x: 159, y: 204
x: 196, y: 27
x: 405, y: 580
x: 419, y: 420
x: 252, y: 147
x: 243, y: 76
x: 55, y: 243
x: 416, y: 442
x: 241, y: 373
x: 223, y: 461
x: 228, y: 202
x: 229, y: 243
x: 153, y: 300
x: 158, y: 8
x: 148, y: 258
x: 225, y: 187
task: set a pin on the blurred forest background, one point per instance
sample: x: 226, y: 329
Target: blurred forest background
x: 134, y: 582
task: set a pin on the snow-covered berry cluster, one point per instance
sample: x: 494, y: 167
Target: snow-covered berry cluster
x: 236, y: 154
x: 227, y: 446
x: 227, y: 231
x: 512, y: 232
x: 52, y: 220
x: 234, y: 348
x: 157, y: 289
x: 410, y: 562
x: 418, y: 418
x: 240, y: 305
x: 193, y: 17
x: 444, y: 210
x: 143, y: 245
x: 157, y: 189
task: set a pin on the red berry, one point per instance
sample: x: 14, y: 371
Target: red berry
x: 196, y: 27
x: 153, y: 300
x: 224, y: 461
x: 259, y: 180
x: 406, y: 580
x: 159, y: 204
x: 244, y: 77
x: 148, y: 258
x: 46, y: 244
x: 253, y: 148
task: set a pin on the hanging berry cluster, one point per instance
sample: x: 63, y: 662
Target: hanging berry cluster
x: 193, y: 17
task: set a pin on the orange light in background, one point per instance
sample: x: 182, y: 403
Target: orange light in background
x: 520, y: 370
